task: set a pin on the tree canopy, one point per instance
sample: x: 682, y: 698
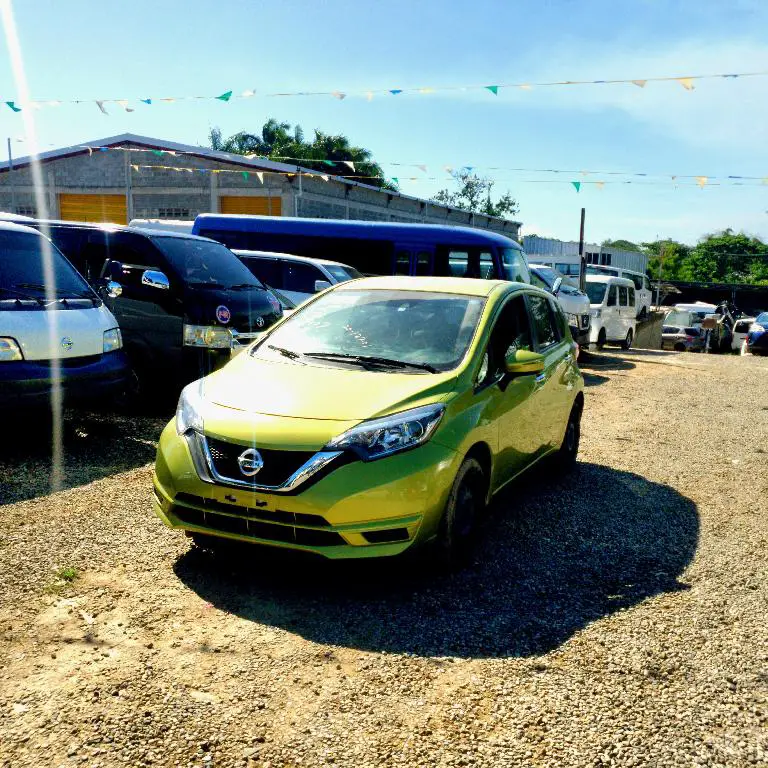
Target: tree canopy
x: 473, y: 194
x: 325, y: 153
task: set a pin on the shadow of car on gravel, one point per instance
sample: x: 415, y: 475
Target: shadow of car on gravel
x: 95, y: 444
x: 549, y: 562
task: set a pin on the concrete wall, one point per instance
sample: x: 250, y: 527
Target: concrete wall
x: 152, y: 191
x: 649, y: 332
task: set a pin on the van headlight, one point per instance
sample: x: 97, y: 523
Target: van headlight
x: 112, y: 340
x: 572, y: 319
x: 208, y: 336
x: 9, y: 350
x: 189, y: 411
x: 378, y: 438
x: 596, y: 312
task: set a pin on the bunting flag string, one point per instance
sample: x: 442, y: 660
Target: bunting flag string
x: 424, y: 168
x: 688, y: 82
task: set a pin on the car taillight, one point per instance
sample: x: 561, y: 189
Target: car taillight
x: 689, y: 338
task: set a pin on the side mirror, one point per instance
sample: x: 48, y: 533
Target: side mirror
x: 154, y: 279
x: 523, y: 361
x: 321, y: 285
x: 556, y: 286
x: 113, y: 289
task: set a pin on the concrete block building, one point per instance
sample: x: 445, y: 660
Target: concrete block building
x: 125, y: 177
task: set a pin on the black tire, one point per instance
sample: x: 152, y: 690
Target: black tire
x: 627, y: 343
x: 457, y: 534
x: 679, y: 347
x: 601, y: 339
x: 565, y: 458
x: 131, y: 396
x: 643, y: 314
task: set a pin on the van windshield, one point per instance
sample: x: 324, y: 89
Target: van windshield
x: 22, y: 272
x: 204, y: 263
x: 515, y: 265
x: 596, y: 292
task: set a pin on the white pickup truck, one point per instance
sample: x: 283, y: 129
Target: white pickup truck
x: 574, y: 302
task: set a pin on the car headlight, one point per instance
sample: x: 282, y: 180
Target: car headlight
x: 9, y: 350
x: 189, y: 411
x: 112, y: 340
x: 382, y: 437
x: 209, y: 336
x: 572, y: 319
x: 596, y: 312
x: 756, y: 328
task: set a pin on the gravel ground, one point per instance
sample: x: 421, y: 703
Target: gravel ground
x: 617, y: 616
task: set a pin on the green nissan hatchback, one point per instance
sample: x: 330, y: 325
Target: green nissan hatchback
x: 382, y: 415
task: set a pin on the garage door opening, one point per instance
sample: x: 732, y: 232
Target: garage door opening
x: 251, y: 205
x: 93, y: 208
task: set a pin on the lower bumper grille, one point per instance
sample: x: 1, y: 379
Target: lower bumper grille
x: 584, y: 321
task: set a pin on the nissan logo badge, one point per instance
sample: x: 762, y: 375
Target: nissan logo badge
x: 223, y: 315
x: 250, y: 462
x: 66, y: 343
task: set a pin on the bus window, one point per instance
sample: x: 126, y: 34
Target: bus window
x: 403, y: 263
x: 423, y: 263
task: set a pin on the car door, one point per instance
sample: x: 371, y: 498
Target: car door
x: 299, y: 278
x: 551, y: 393
x: 506, y: 401
x: 612, y: 321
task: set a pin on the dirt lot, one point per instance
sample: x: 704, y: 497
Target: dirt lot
x: 618, y: 616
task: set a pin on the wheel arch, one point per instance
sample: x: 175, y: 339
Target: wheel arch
x: 481, y: 452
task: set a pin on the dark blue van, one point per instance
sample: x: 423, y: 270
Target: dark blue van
x: 374, y: 247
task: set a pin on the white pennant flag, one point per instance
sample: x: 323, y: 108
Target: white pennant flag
x: 350, y: 164
x: 260, y: 176
x: 324, y: 176
x: 125, y: 105
x: 100, y: 105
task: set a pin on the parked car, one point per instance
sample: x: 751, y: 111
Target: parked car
x: 382, y: 414
x: 63, y: 326
x: 612, y: 306
x: 375, y: 247
x: 164, y: 225
x: 643, y: 292
x: 739, y: 333
x: 574, y: 302
x: 184, y: 298
x: 681, y: 339
x: 757, y: 338
x: 689, y: 314
x: 297, y: 277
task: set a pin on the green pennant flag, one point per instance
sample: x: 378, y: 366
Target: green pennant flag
x: 329, y: 162
x: 225, y: 96
x: 245, y: 175
x: 494, y: 89
x: 395, y: 179
x: 158, y: 152
x: 13, y: 106
x: 576, y: 185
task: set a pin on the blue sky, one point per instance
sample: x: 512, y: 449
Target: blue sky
x: 80, y: 49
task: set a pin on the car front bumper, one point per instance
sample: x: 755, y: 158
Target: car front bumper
x: 356, y: 510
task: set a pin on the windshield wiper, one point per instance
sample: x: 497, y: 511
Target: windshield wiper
x: 205, y: 284
x: 370, y: 360
x: 289, y: 353
x: 21, y: 295
x: 243, y: 286
x: 63, y: 292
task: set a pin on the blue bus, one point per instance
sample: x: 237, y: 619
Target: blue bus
x: 374, y: 247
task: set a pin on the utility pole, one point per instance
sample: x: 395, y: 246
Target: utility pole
x: 582, y: 259
x: 11, y: 180
x: 662, y: 248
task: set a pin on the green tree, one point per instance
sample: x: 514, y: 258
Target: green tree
x: 625, y: 245
x: 474, y: 195
x: 726, y: 257
x: 675, y: 255
x: 326, y: 153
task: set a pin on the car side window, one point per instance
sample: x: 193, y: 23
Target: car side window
x: 136, y: 255
x: 538, y: 282
x: 511, y: 331
x: 631, y: 296
x: 561, y: 320
x: 268, y: 271
x: 611, y: 301
x: 543, y: 322
x: 623, y: 296
x: 300, y: 277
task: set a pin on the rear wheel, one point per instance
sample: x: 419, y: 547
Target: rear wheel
x: 601, y: 339
x: 627, y: 343
x: 679, y: 347
x: 458, y: 527
x: 565, y: 458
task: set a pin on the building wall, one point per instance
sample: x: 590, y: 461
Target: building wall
x: 567, y: 252
x: 175, y: 194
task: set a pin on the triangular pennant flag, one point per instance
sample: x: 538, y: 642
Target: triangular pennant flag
x: 422, y: 167
x: 125, y: 105
x: 100, y: 105
x: 324, y: 176
x: 469, y: 168
x: 13, y: 106
x: 426, y: 90
x: 585, y: 173
x: 145, y: 101
x: 225, y: 96
x: 640, y: 83
x: 245, y: 175
x: 369, y: 95
x: 599, y: 184
x: 448, y: 168
x: 135, y: 167
x: 395, y: 91
x: 90, y: 152
x: 674, y: 178
x: 168, y: 99
x: 702, y: 181
x: 686, y: 82
x: 350, y: 164
x: 338, y: 95
x: 247, y: 94
x: 576, y: 185
x: 526, y: 87
x: 395, y: 179
x: 329, y: 162
x: 158, y: 152
x: 260, y: 176
x: 494, y: 89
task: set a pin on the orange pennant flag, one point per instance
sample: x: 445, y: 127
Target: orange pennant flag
x: 702, y: 181
x: 686, y: 82
x: 640, y: 83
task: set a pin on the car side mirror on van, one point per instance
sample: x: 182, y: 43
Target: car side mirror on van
x: 321, y: 285
x: 523, y: 361
x: 556, y: 286
x: 113, y: 289
x: 154, y: 279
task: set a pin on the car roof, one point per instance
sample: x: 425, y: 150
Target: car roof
x: 465, y: 286
x: 288, y: 256
x: 11, y: 226
x: 105, y: 227
x: 610, y: 279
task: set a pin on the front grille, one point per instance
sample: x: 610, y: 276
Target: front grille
x: 278, y: 516
x: 278, y: 465
x: 257, y: 529
x: 585, y: 321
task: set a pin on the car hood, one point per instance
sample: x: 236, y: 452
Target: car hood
x: 320, y: 392
x: 246, y: 311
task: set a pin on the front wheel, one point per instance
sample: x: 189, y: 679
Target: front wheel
x: 601, y: 339
x: 565, y: 458
x: 458, y: 526
x: 627, y: 343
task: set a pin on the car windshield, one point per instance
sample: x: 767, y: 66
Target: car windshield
x: 342, y: 273
x: 670, y: 329
x: 762, y: 319
x: 201, y: 262
x: 22, y: 270
x: 413, y: 327
x: 692, y: 331
x: 596, y: 292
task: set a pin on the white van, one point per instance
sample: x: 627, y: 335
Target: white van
x: 612, y: 307
x: 297, y: 277
x: 575, y: 304
x: 643, y: 292
x: 72, y: 326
